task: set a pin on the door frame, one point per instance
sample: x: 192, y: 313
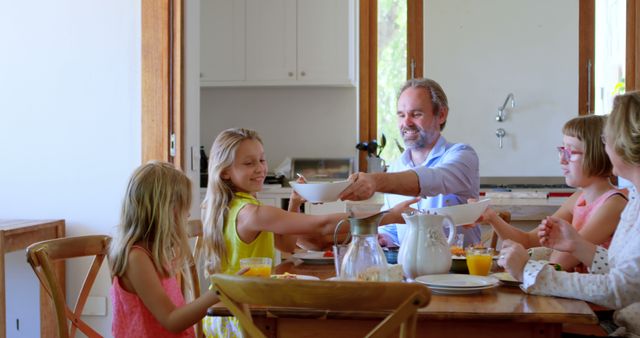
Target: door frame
x: 163, y: 81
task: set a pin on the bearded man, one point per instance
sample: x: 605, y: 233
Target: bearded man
x: 442, y: 173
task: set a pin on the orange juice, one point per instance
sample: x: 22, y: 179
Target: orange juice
x: 479, y: 264
x: 259, y: 271
x: 479, y: 261
x: 258, y: 266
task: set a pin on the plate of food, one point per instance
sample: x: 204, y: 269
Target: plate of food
x: 315, y: 257
x: 287, y: 275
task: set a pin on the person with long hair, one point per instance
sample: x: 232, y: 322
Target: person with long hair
x: 237, y: 226
x: 147, y: 251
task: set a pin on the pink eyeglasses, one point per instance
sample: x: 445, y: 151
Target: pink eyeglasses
x: 566, y: 154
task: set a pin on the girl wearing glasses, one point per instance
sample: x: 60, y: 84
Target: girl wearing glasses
x: 594, y: 209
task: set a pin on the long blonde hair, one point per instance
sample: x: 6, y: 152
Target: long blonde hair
x: 219, y: 195
x: 154, y: 211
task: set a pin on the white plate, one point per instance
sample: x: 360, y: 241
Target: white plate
x: 459, y: 291
x: 464, y: 258
x: 457, y: 281
x: 299, y: 277
x: 313, y: 257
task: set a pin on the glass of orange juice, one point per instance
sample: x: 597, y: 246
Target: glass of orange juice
x: 258, y: 266
x: 479, y: 261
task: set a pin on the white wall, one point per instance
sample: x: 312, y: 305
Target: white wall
x: 315, y: 122
x: 69, y: 128
x: 480, y: 51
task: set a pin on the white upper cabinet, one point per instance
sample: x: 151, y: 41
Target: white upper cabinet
x: 286, y: 43
x: 271, y: 40
x: 222, y: 39
x: 323, y: 42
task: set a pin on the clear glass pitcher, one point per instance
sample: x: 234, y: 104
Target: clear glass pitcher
x: 364, y: 259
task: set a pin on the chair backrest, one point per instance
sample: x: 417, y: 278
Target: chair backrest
x: 402, y: 299
x: 194, y: 230
x: 506, y: 216
x: 42, y: 256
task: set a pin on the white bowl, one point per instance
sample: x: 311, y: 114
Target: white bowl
x: 316, y: 192
x: 463, y: 213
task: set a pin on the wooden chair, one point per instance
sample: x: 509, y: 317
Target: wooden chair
x: 506, y: 216
x: 194, y: 230
x: 41, y: 256
x: 402, y: 299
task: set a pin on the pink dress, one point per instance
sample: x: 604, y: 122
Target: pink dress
x: 582, y: 212
x: 132, y: 319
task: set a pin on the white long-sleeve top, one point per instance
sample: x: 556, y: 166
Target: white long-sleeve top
x: 614, y: 278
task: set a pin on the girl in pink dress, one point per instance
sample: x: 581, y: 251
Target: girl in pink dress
x: 594, y: 209
x: 149, y: 248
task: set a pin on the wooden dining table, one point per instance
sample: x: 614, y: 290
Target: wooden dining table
x: 499, y: 312
x: 18, y: 234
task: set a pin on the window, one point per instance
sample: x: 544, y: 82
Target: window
x: 602, y: 72
x: 610, y: 48
x: 390, y: 52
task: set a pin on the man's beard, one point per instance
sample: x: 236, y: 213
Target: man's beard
x: 421, y: 142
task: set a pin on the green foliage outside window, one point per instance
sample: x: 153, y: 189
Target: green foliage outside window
x: 392, y: 70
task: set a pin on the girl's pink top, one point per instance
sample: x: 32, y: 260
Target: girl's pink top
x: 582, y: 212
x: 132, y: 319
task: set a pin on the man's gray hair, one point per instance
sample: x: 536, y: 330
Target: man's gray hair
x: 438, y: 97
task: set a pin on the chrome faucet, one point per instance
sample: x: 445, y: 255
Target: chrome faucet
x: 500, y: 117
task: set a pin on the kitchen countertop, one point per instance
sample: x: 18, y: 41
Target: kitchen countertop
x: 521, y: 209
x: 528, y: 209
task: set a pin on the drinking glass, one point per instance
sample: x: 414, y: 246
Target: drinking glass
x: 479, y: 261
x: 258, y: 266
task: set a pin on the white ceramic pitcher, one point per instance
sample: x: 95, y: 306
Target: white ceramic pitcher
x: 424, y: 249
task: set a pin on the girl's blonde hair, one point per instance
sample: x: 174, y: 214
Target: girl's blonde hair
x: 588, y: 130
x: 219, y: 195
x: 154, y: 211
x: 623, y: 127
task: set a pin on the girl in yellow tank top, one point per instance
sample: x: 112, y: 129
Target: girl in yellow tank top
x: 237, y: 226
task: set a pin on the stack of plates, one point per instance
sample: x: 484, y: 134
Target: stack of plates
x: 457, y: 283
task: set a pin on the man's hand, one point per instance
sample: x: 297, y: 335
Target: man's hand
x: 363, y: 186
x: 513, y: 257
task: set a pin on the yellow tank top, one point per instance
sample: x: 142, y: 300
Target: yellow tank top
x: 262, y: 246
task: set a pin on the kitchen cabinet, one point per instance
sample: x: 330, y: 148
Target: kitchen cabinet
x: 222, y: 47
x: 286, y: 42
